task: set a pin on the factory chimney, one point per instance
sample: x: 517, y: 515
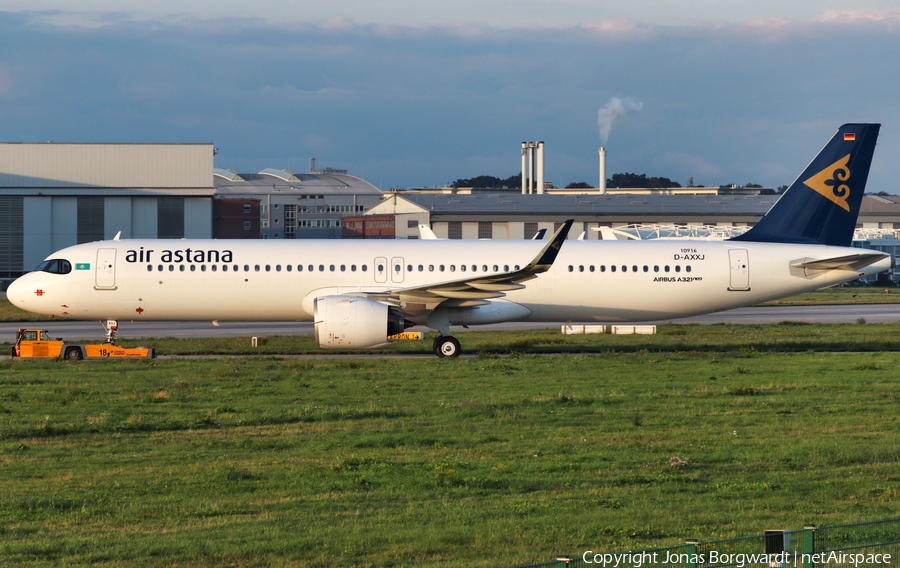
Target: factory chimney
x: 602, y: 186
x: 312, y: 165
x: 524, y: 166
x: 540, y: 168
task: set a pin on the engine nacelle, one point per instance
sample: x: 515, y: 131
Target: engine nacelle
x: 346, y: 322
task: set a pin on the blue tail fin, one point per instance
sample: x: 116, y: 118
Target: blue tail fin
x: 822, y: 205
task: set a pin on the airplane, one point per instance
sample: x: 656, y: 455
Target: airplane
x: 360, y: 292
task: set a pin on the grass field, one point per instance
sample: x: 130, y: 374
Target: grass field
x: 481, y: 461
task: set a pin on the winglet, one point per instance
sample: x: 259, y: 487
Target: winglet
x: 425, y: 233
x: 544, y: 260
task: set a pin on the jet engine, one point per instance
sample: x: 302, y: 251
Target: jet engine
x: 347, y: 322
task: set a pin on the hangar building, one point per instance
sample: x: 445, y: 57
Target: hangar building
x: 57, y: 195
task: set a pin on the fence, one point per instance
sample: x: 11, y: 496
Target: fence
x: 874, y: 544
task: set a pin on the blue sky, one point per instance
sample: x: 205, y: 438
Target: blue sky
x: 728, y: 92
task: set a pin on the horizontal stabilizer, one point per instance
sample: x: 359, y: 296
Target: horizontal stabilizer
x: 851, y: 262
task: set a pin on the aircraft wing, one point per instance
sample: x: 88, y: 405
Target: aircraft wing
x: 852, y: 262
x: 473, y: 290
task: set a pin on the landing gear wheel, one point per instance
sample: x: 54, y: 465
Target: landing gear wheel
x: 447, y: 346
x: 73, y: 354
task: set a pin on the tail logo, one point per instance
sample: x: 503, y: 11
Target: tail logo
x: 829, y: 182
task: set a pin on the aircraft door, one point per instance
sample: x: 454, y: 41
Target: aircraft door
x: 740, y: 269
x: 381, y: 270
x: 105, y: 271
x: 397, y: 269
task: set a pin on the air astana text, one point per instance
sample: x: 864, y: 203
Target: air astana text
x: 186, y: 255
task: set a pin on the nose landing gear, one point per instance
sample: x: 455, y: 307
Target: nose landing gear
x: 111, y: 327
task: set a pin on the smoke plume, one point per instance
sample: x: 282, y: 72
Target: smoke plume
x: 615, y: 108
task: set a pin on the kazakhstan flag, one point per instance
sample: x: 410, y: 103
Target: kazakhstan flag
x: 83, y: 266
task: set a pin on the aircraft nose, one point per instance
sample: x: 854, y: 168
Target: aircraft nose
x: 16, y: 293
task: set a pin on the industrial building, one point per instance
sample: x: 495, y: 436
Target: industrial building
x: 300, y: 206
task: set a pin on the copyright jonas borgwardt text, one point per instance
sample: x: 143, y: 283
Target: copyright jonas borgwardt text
x: 781, y: 560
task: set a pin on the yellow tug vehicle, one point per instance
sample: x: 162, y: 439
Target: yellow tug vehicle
x: 32, y: 343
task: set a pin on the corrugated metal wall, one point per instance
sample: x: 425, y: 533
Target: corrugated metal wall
x: 106, y: 165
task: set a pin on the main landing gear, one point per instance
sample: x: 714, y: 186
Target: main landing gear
x: 446, y: 346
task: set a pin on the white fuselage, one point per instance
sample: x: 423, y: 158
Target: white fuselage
x: 613, y: 281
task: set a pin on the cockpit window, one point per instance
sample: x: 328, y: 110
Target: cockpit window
x: 55, y: 266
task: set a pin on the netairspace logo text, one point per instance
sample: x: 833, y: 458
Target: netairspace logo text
x: 783, y: 560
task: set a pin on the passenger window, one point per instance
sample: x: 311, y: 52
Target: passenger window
x: 214, y: 267
x: 602, y: 268
x: 452, y: 268
x: 677, y: 268
x: 624, y: 268
x: 321, y: 268
x: 421, y: 268
x: 634, y: 268
x: 517, y: 267
x: 331, y: 267
x: 571, y: 268
x: 289, y: 267
x: 181, y: 267
x: 235, y: 268
x: 656, y: 269
x: 343, y: 268
x: 256, y: 268
x: 299, y: 268
x: 224, y: 268
x: 442, y: 268
x: 462, y: 267
x: 397, y: 268
x: 688, y: 268
x: 150, y: 268
x: 380, y: 268
x: 352, y: 268
x: 364, y: 267
x: 311, y: 268
x: 484, y: 268
x: 171, y: 268
x: 581, y: 268
x: 646, y: 268
x: 612, y: 268
x: 160, y: 268
x: 277, y: 268
x: 430, y: 268
x: 667, y: 268
x: 496, y: 268
x: 246, y: 268
x: 592, y: 268
x: 409, y: 267
x: 505, y: 268
x: 202, y: 268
